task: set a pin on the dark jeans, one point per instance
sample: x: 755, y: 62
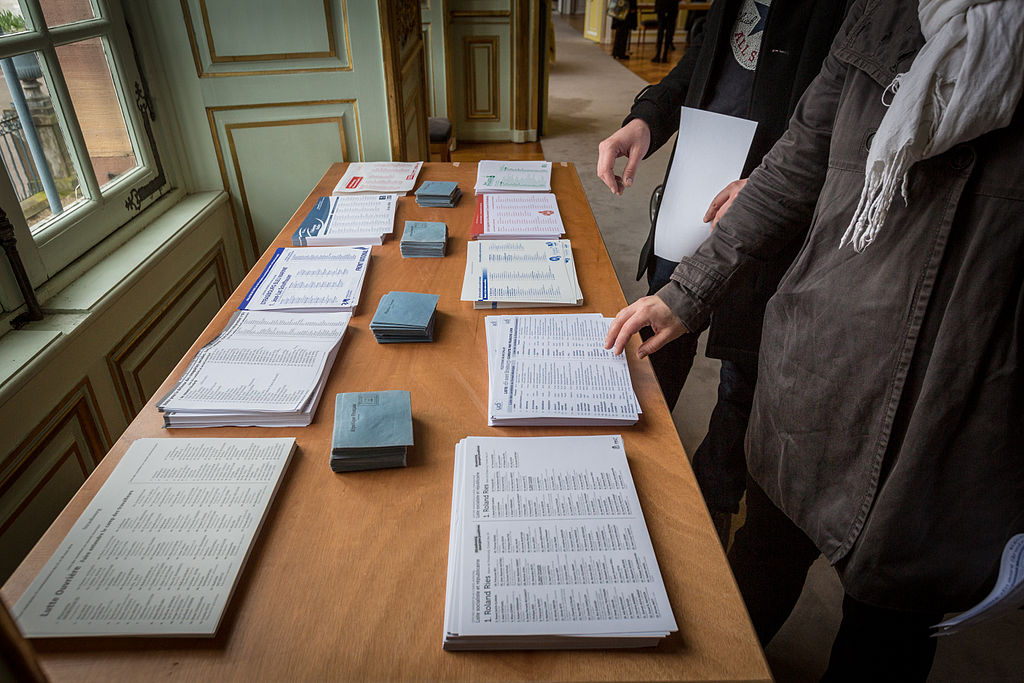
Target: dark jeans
x: 666, y: 27
x: 720, y: 463
x: 673, y: 361
x: 620, y: 41
x: 770, y: 557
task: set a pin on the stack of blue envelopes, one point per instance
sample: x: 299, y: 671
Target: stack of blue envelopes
x: 404, y: 317
x: 372, y: 430
x: 438, y: 194
x: 423, y: 239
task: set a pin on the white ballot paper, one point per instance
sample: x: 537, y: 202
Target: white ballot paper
x: 159, y: 549
x: 710, y: 152
x: 520, y: 273
x: 378, y: 176
x: 266, y: 369
x: 1006, y: 596
x: 310, y: 279
x: 513, y: 176
x: 347, y: 220
x: 554, y: 370
x: 548, y: 548
x: 530, y: 215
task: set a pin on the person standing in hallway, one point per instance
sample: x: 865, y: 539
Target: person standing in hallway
x: 668, y: 13
x: 753, y: 59
x: 886, y: 427
x: 621, y: 29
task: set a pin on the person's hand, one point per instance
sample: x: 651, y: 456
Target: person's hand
x: 648, y: 311
x: 722, y: 201
x: 630, y: 141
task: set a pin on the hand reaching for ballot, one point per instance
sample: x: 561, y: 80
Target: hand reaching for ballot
x: 722, y: 201
x: 631, y: 141
x: 648, y: 311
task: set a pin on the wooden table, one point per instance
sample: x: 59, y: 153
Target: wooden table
x: 347, y: 579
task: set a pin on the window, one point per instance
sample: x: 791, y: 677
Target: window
x: 75, y: 142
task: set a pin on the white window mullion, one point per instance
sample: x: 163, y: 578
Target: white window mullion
x: 65, y: 111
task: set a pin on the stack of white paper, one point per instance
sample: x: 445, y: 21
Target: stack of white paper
x: 554, y: 370
x: 159, y: 549
x: 517, y: 216
x: 265, y: 369
x: 310, y: 279
x: 520, y: 274
x: 513, y: 176
x: 548, y: 548
x: 373, y: 177
x: 353, y: 219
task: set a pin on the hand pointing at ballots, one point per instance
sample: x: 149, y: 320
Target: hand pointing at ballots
x: 631, y: 141
x: 647, y: 311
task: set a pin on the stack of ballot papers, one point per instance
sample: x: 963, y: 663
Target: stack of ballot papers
x: 159, y: 549
x: 266, y: 369
x: 353, y: 219
x: 438, y: 193
x: 372, y: 430
x: 548, y: 548
x: 404, y: 317
x: 374, y: 177
x: 308, y: 279
x: 423, y: 239
x: 520, y: 274
x: 554, y: 370
x: 517, y: 216
x: 513, y: 176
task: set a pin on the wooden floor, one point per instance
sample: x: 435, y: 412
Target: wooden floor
x: 517, y: 151
x: 640, y: 54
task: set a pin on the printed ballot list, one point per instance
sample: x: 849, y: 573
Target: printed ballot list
x: 159, y: 550
x: 520, y: 273
x: 265, y: 369
x: 554, y: 370
x: 310, y: 279
x: 548, y: 548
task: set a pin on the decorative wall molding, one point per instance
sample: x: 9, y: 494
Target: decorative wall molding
x: 210, y: 64
x: 476, y: 50
x: 129, y: 356
x: 223, y: 138
x: 253, y: 57
x: 77, y: 419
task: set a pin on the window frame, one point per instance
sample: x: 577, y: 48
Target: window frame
x: 68, y: 237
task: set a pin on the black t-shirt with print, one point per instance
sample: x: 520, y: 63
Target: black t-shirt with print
x: 734, y: 71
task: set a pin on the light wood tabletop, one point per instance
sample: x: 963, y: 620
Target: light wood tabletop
x: 347, y: 578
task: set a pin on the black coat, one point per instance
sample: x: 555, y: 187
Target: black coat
x: 796, y: 39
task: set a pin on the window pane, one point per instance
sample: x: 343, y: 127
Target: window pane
x: 11, y: 18
x: 36, y: 152
x: 98, y: 109
x: 57, y: 12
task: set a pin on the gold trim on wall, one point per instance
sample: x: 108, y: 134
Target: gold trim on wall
x: 468, y: 14
x: 249, y: 259
x: 523, y: 46
x: 428, y: 69
x: 79, y: 404
x: 72, y: 450
x: 269, y: 57
x: 230, y: 127
x: 473, y: 111
x: 201, y: 73
x: 215, y: 257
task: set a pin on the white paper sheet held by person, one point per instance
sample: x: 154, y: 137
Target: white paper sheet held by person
x: 710, y: 152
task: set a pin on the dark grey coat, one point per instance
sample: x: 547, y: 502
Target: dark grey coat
x: 888, y: 421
